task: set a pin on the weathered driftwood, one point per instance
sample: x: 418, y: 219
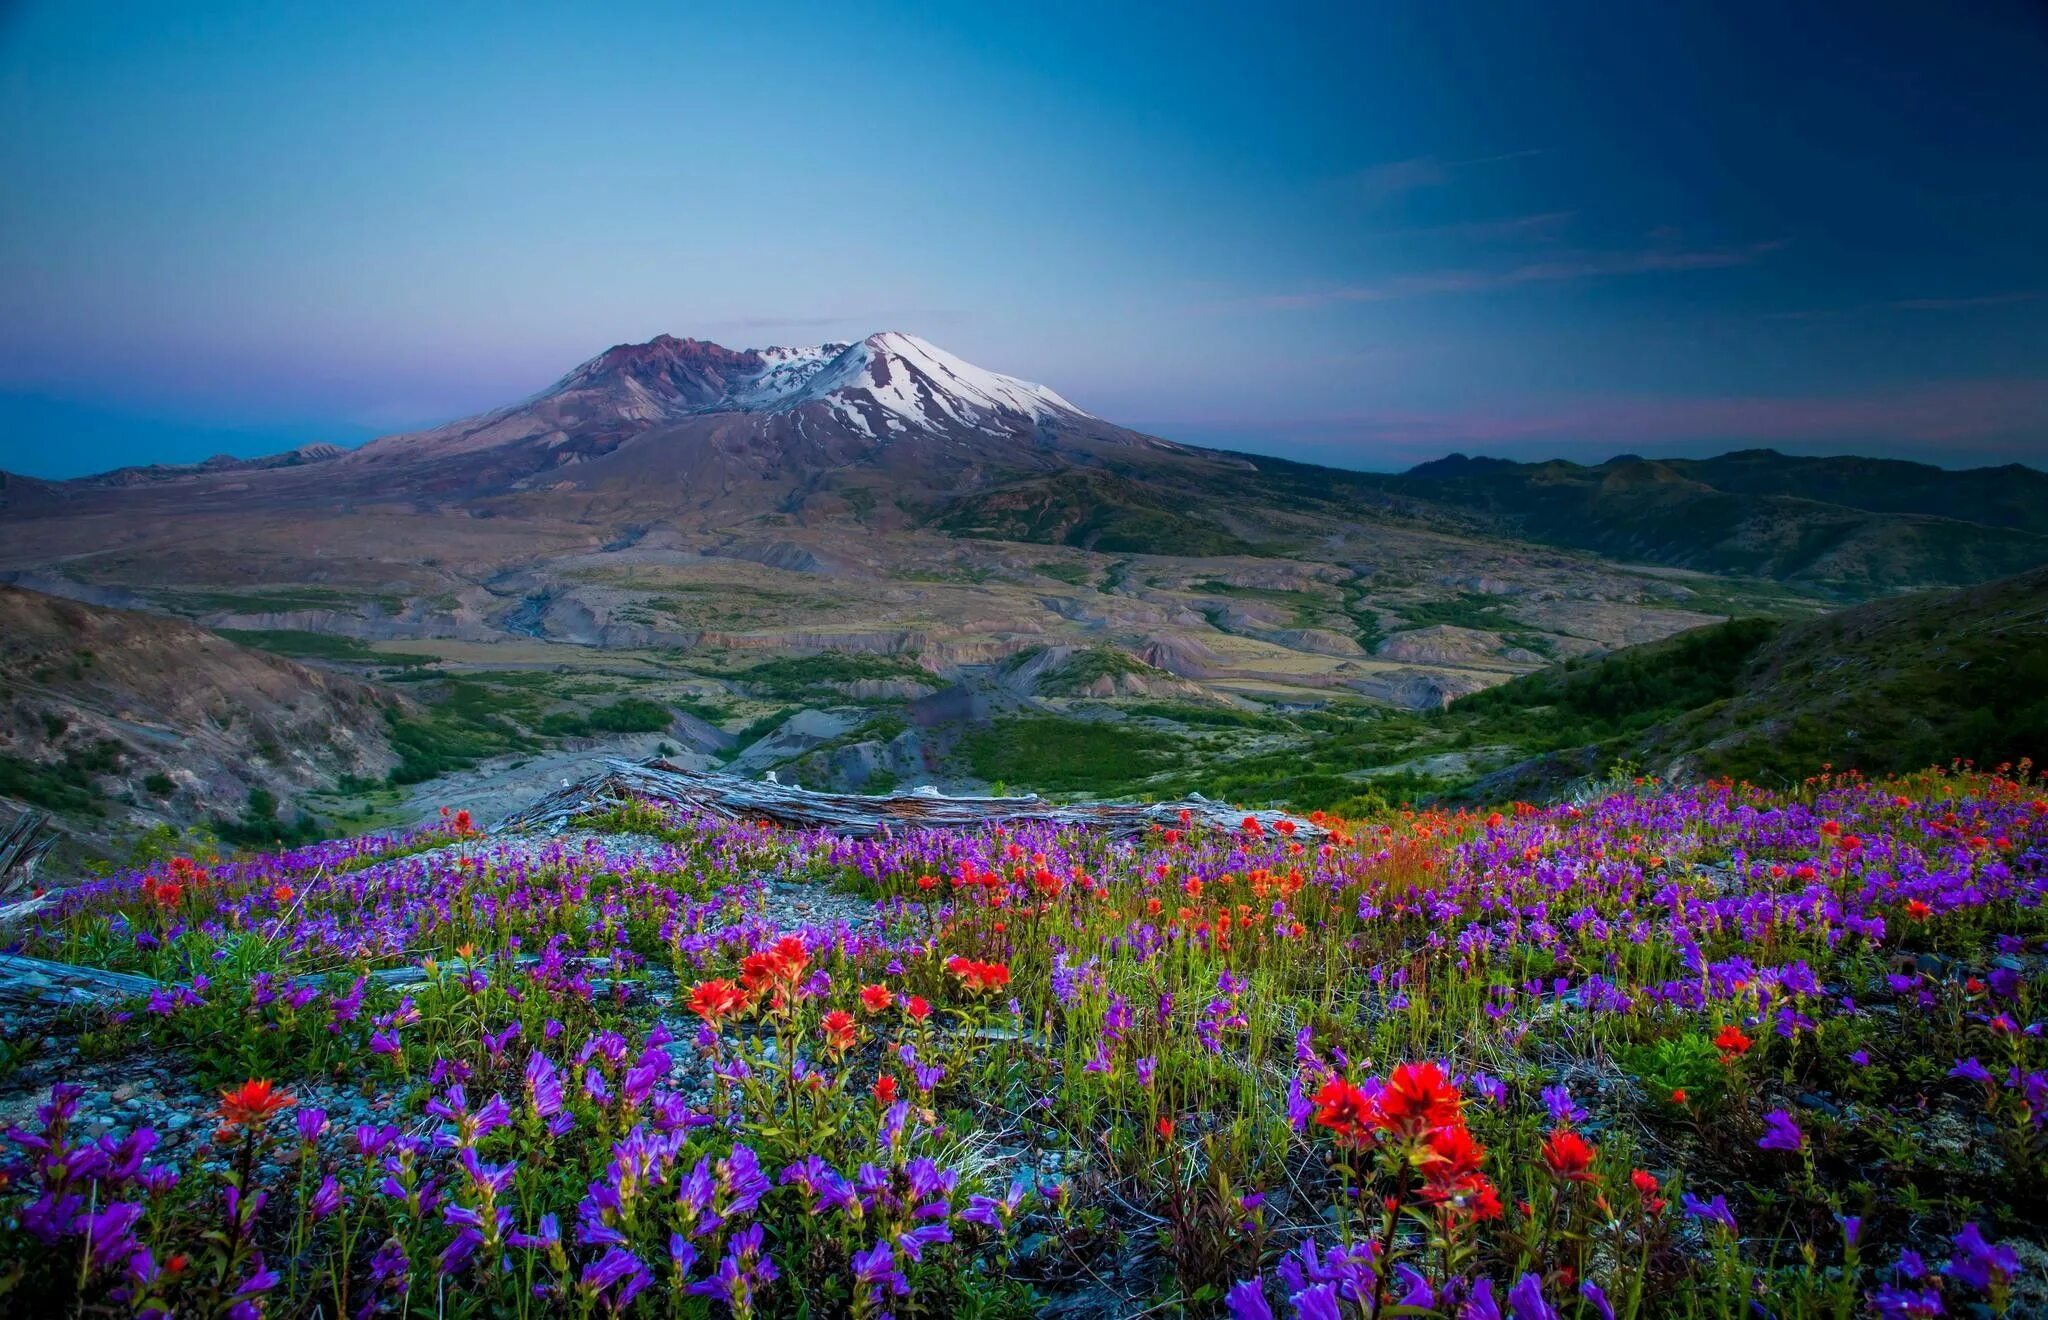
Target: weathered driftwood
x: 26, y: 981
x: 729, y: 797
x: 21, y: 851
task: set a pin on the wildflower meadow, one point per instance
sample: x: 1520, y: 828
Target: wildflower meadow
x: 1696, y: 1052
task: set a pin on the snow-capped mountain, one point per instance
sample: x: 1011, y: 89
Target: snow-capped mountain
x: 887, y: 385
x: 909, y: 381
x: 893, y: 381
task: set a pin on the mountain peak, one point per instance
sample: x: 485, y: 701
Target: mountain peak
x: 894, y: 380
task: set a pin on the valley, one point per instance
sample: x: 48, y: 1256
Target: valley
x: 870, y: 566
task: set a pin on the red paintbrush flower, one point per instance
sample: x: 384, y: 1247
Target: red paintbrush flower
x: 1418, y: 1098
x: 838, y: 1029
x: 252, y: 1104
x: 976, y: 977
x: 876, y: 998
x: 1347, y: 1111
x: 1732, y: 1042
x: 1569, y: 1156
x: 714, y: 1001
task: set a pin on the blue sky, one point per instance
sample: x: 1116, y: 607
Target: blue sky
x: 1364, y: 234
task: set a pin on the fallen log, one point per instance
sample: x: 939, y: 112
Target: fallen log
x: 26, y: 981
x: 22, y: 848
x: 729, y: 797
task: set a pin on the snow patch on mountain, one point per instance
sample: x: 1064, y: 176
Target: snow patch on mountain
x: 910, y: 379
x: 785, y: 374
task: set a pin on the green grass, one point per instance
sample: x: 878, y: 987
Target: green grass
x: 259, y: 826
x: 797, y: 675
x: 1090, y: 511
x: 1078, y: 575
x: 1468, y: 609
x: 1053, y: 755
x: 301, y: 645
x: 1588, y: 700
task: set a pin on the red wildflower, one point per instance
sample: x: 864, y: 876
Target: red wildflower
x: 1347, y: 1111
x: 918, y: 1008
x: 976, y: 977
x: 251, y: 1104
x: 791, y: 957
x: 1166, y: 1127
x: 1569, y: 1156
x: 1731, y: 1042
x: 1453, y: 1180
x: 838, y: 1029
x: 875, y: 998
x: 1918, y: 910
x: 1678, y: 1096
x: 283, y: 894
x: 715, y: 1001
x: 885, y: 1089
x: 1418, y: 1098
x: 1453, y: 1153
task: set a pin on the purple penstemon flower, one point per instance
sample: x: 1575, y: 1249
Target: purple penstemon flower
x: 1558, y: 1101
x: 1781, y: 1133
x: 1715, y: 1211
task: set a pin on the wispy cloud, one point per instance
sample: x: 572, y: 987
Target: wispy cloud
x: 1396, y: 177
x: 1966, y: 304
x: 1963, y: 304
x: 1541, y: 225
x: 1563, y: 268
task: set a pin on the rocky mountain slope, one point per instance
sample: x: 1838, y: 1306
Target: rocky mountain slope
x: 119, y: 719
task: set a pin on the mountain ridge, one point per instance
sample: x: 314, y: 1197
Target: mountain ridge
x: 893, y: 431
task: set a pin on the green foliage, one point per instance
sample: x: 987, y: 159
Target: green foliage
x: 628, y: 715
x: 159, y: 783
x: 797, y: 675
x: 67, y: 785
x: 259, y: 827
x: 759, y: 729
x: 1079, y: 575
x: 1685, y: 1064
x: 469, y: 723
x: 1053, y: 755
x: 320, y: 646
x: 1084, y: 667
x: 1634, y: 688
x: 1092, y: 511
x: 1467, y: 609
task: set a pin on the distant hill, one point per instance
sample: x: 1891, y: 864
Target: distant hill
x: 1893, y: 685
x: 1855, y: 525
